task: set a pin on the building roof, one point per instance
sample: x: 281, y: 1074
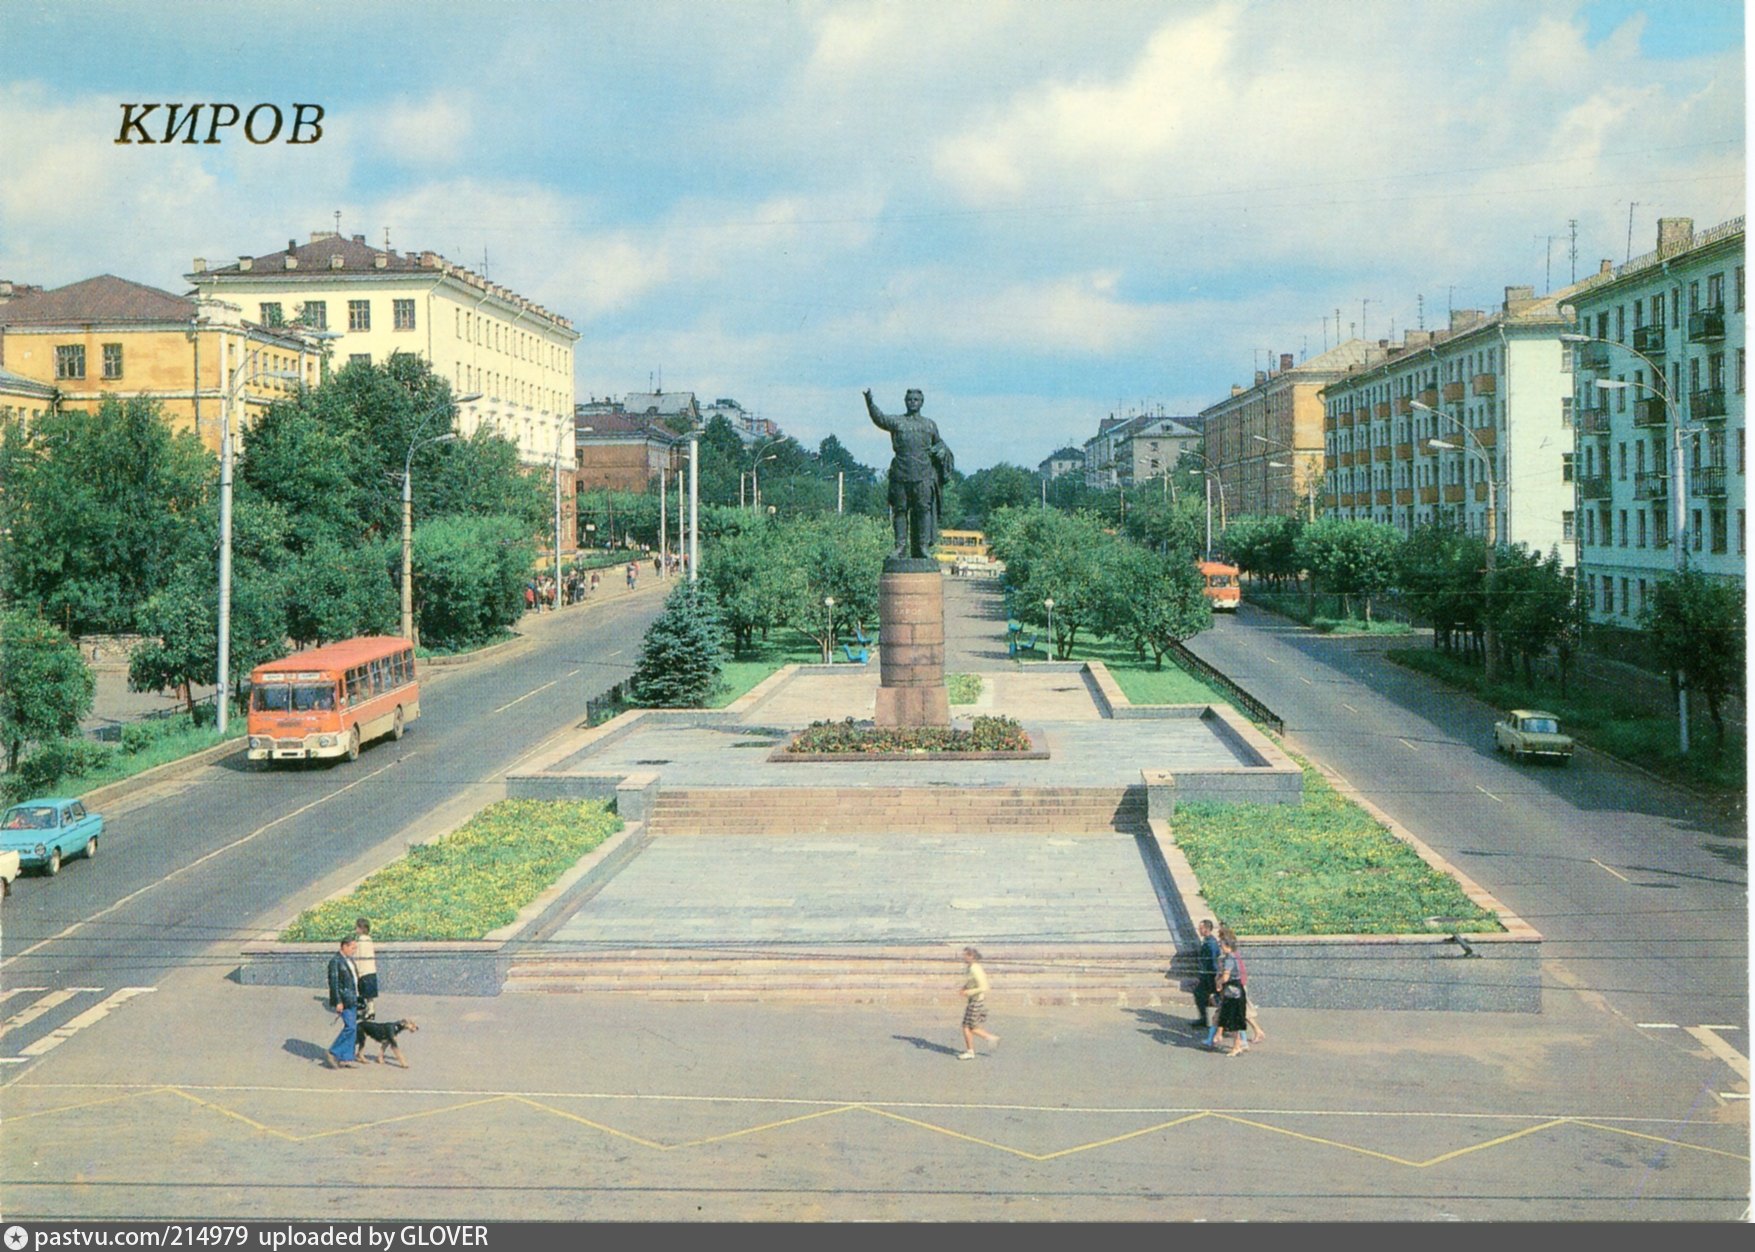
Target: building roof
x: 18, y: 385
x: 1163, y: 428
x: 618, y: 425
x: 1068, y: 453
x: 663, y: 403
x: 105, y: 299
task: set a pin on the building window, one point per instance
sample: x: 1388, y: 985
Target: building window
x: 1719, y: 537
x: 1566, y: 467
x: 1641, y: 586
x: 1715, y: 371
x: 1695, y: 518
x: 1566, y: 526
x: 1739, y: 288
x: 1741, y: 531
x: 403, y: 313
x: 1621, y: 461
x: 1641, y: 536
x: 1622, y: 529
x: 1590, y: 527
x: 315, y: 314
x: 1715, y: 291
x: 271, y: 314
x: 70, y: 361
x: 1694, y: 297
x: 1660, y: 529
x: 359, y: 315
x: 1626, y: 603
x: 359, y: 358
x: 112, y: 360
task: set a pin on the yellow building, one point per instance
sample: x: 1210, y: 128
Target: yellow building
x: 23, y: 399
x: 367, y: 303
x: 109, y: 336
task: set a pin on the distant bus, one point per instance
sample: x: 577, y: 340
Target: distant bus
x: 966, y: 548
x: 326, y: 702
x: 1219, y: 584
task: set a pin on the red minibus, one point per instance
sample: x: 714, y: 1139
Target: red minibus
x: 329, y: 700
x: 1220, y: 585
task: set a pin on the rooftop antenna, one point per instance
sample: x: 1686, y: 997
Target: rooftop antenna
x: 1365, y: 317
x: 1572, y: 225
x: 1631, y: 205
x: 386, y: 239
x: 484, y: 261
x: 1338, y: 328
x: 1420, y: 304
x: 338, y: 223
x: 1550, y: 262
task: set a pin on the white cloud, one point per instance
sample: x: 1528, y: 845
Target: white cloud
x: 435, y: 131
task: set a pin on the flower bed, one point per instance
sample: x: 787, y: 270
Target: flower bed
x: 850, y: 738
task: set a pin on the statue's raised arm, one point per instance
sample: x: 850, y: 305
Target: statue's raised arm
x: 878, y: 417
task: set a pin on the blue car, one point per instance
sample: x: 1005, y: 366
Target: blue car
x: 46, y: 832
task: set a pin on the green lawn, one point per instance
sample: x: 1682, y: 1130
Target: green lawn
x: 1328, y: 617
x: 1616, y: 726
x: 740, y: 674
x: 964, y: 688
x: 120, y: 765
x: 472, y: 881
x: 1325, y: 867
x: 1141, y: 681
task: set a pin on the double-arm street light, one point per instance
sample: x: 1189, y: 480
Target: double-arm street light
x: 1207, y: 472
x: 421, y: 439
x: 1678, y: 482
x: 1472, y: 444
x: 1310, y: 494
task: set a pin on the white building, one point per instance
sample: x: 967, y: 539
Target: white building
x: 1666, y: 332
x: 1448, y: 419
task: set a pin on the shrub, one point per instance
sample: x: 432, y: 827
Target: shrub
x: 54, y: 760
x: 987, y: 734
x: 680, y: 656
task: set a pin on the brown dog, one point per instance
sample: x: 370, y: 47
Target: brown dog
x: 384, y: 1035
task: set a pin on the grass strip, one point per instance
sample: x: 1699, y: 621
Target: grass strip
x: 472, y: 881
x: 120, y: 765
x: 964, y: 688
x: 1326, y: 867
x: 1618, y: 726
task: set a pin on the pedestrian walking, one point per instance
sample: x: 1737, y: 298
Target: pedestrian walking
x: 593, y: 588
x: 1207, y: 977
x: 975, y: 987
x: 344, y: 1000
x: 530, y: 597
x: 365, y: 960
x: 1250, y: 1007
x: 1233, y: 1016
x: 633, y: 573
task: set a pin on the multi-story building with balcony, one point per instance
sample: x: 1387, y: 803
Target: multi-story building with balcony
x: 1264, y: 442
x: 110, y: 336
x: 1152, y: 451
x: 1067, y: 460
x: 1452, y: 421
x: 1664, y: 333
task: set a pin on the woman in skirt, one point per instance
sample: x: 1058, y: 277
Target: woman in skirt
x: 1233, y: 1000
x: 975, y: 1006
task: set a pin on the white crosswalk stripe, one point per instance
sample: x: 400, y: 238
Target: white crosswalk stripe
x: 6, y: 993
x: 44, y: 1005
x: 95, y: 1013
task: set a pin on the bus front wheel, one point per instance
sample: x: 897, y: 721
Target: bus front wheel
x: 353, y: 744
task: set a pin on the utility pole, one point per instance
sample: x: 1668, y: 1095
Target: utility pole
x: 694, y: 505
x: 840, y: 491
x: 222, y: 698
x: 1420, y: 305
x: 1631, y: 205
x: 663, y: 520
x: 1572, y: 227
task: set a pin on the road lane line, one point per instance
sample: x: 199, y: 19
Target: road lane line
x: 1305, y: 681
x: 1710, y: 1026
x: 1488, y: 794
x: 525, y: 696
x: 1617, y: 873
x: 1722, y: 1050
x: 1657, y: 1025
x: 613, y: 655
x: 569, y: 673
x: 96, y: 1013
x: 1348, y: 707
x: 183, y: 869
x: 1410, y: 747
x: 44, y: 1005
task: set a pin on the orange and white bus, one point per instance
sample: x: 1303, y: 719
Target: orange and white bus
x: 1219, y: 584
x: 329, y: 700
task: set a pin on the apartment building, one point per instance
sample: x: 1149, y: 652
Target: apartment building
x: 112, y: 336
x: 1455, y: 421
x: 1660, y: 446
x: 622, y: 450
x: 1067, y: 460
x: 1152, y: 450
x: 1264, y: 443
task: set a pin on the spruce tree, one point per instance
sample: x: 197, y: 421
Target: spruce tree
x: 681, y: 654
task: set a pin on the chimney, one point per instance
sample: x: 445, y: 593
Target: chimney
x: 1519, y: 298
x: 1236, y: 390
x: 336, y: 261
x: 292, y: 245
x: 1607, y: 267
x: 291, y: 261
x: 201, y: 265
x: 359, y: 238
x: 1260, y: 377
x: 1674, y: 234
x: 1285, y: 361
x: 246, y: 262
x: 379, y: 260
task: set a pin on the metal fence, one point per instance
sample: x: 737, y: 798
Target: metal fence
x: 1248, y: 703
x: 606, y: 704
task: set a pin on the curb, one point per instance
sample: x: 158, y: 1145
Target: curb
x: 122, y: 787
x: 480, y: 654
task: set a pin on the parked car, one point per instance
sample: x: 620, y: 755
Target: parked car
x: 47, y: 831
x: 8, y: 871
x: 1531, y: 732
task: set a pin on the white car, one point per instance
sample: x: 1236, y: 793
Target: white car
x: 8, y: 871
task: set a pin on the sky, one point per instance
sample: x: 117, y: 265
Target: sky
x: 1040, y: 212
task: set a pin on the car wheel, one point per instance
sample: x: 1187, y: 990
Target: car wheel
x: 53, y: 865
x: 396, y: 725
x: 353, y: 744
x: 90, y: 847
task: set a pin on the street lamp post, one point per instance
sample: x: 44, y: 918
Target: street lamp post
x: 560, y: 437
x: 408, y: 504
x: 1490, y: 633
x: 695, y: 504
x: 1049, y: 605
x: 1310, y: 495
x: 829, y: 639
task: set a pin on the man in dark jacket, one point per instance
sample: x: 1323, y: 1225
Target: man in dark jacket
x: 1208, y: 981
x: 344, y: 998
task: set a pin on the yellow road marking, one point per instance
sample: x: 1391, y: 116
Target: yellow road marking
x: 184, y: 869
x: 1329, y: 1143
x: 790, y: 1121
x: 951, y: 1134
x: 1132, y: 1134
x: 401, y: 1117
x: 84, y: 1104
x: 1617, y: 873
x: 222, y: 1109
x: 1493, y: 1143
x: 586, y: 1121
x: 1674, y: 1143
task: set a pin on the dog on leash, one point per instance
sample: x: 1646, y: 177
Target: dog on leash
x: 384, y: 1035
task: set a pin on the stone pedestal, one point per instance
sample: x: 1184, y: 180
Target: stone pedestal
x: 911, y: 648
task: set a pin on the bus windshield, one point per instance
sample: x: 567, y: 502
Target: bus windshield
x: 293, y: 698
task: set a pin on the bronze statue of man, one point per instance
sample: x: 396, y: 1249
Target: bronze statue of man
x: 918, y: 472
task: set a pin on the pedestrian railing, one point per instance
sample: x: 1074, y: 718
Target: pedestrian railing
x: 1244, y: 700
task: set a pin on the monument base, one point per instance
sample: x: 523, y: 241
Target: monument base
x: 911, y: 648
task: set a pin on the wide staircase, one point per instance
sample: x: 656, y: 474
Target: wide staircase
x: 898, y: 810
x: 1128, y: 974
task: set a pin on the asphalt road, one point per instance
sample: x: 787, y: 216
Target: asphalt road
x: 203, y: 859
x: 1639, y: 887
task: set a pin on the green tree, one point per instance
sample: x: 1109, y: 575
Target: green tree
x: 292, y: 458
x: 838, y: 556
x: 95, y: 508
x: 1165, y: 601
x: 1533, y: 602
x: 469, y: 575
x: 680, y: 656
x: 337, y: 592
x: 754, y: 582
x: 1696, y: 624
x: 1350, y: 557
x: 1264, y: 545
x: 1441, y: 573
x: 45, y: 684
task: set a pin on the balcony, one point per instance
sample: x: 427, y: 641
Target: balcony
x: 1381, y: 410
x: 1484, y: 384
x: 1594, y: 488
x: 1649, y: 340
x: 1428, y: 397
x: 1380, y: 452
x: 1453, y: 392
x: 1592, y: 421
x: 1593, y: 357
x: 1707, y: 404
x: 1404, y: 452
x: 1708, y: 481
x: 1481, y: 493
x: 1428, y: 495
x: 1404, y: 405
x: 1343, y: 459
x: 1485, y: 436
x: 1706, y: 325
x: 1453, y: 493
x: 1380, y: 496
x: 1651, y: 485
x: 1649, y: 411
x: 1404, y: 495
